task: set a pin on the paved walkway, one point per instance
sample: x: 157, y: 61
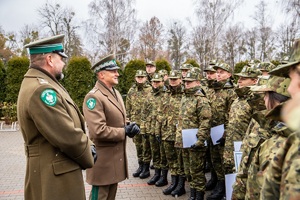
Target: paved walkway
x: 12, y: 169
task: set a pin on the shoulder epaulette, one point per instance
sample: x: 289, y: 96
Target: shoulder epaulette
x: 42, y: 81
x: 93, y: 90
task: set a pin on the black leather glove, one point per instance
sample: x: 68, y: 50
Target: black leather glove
x: 132, y: 129
x: 158, y: 138
x: 94, y: 153
x: 221, y: 141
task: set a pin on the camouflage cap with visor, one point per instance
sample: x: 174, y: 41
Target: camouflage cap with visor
x: 274, y: 84
x: 266, y: 66
x: 174, y: 74
x: 140, y: 73
x: 223, y: 66
x: 294, y: 59
x: 151, y: 63
x: 191, y: 76
x: 249, y: 72
x: 163, y: 72
x: 157, y: 77
x: 186, y: 66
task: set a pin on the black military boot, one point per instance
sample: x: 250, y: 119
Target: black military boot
x: 145, y: 171
x: 219, y: 192
x: 179, y: 190
x: 173, y: 185
x: 211, y: 184
x: 139, y: 170
x: 154, y: 178
x: 199, y: 195
x: 163, y: 180
x: 192, y: 194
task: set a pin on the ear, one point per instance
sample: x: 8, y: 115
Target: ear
x: 49, y: 59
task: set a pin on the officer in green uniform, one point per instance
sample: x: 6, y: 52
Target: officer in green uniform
x: 135, y: 100
x: 195, y: 113
x: 52, y: 126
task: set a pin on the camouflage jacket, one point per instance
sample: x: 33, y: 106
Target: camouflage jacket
x: 264, y: 154
x: 239, y: 118
x: 258, y: 131
x: 282, y: 177
x: 221, y: 101
x: 135, y: 100
x: 195, y: 112
x: 150, y: 110
x: 169, y: 113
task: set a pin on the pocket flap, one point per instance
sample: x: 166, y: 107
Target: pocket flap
x: 64, y: 166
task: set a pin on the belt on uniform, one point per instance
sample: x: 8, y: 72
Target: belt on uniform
x: 32, y: 150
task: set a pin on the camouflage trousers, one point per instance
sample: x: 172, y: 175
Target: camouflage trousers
x: 171, y: 155
x: 163, y: 158
x: 146, y: 149
x: 180, y: 169
x: 216, y: 154
x: 194, y: 164
x: 137, y: 139
x: 155, y: 151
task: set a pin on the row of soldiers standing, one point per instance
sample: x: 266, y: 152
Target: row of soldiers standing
x: 189, y: 102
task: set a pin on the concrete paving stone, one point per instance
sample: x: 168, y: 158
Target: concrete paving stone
x: 13, y: 166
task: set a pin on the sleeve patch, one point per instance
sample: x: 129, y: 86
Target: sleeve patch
x: 49, y: 97
x: 91, y: 103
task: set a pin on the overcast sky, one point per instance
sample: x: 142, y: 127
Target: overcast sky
x: 14, y: 14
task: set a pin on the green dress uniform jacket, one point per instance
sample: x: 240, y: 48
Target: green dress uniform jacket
x: 56, y: 145
x: 106, y: 119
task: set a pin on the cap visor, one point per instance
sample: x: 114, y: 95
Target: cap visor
x: 283, y: 70
x: 62, y: 54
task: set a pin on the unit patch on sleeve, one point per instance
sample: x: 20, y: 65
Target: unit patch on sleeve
x: 91, y: 103
x: 49, y: 97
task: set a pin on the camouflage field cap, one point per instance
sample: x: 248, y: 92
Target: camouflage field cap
x: 210, y: 68
x: 186, y: 66
x: 283, y: 70
x: 107, y: 63
x: 191, y: 76
x: 163, y: 72
x: 140, y: 73
x: 157, y: 77
x: 274, y: 84
x: 248, y: 72
x: 223, y: 66
x: 150, y: 62
x: 266, y: 66
x: 175, y: 74
x: 52, y: 44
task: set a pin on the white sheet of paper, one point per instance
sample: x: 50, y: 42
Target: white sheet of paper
x: 229, y: 180
x: 237, y: 159
x: 216, y: 133
x: 237, y: 145
x: 189, y: 137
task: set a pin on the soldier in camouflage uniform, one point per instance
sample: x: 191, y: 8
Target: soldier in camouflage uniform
x: 275, y: 94
x: 210, y: 77
x: 166, y: 128
x: 281, y: 180
x: 184, y: 68
x: 135, y: 99
x: 149, y: 117
x: 221, y: 101
x: 195, y: 113
x: 150, y: 69
x: 164, y: 73
x: 257, y: 132
x: 239, y: 115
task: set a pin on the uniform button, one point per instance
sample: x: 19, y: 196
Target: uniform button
x: 121, y: 159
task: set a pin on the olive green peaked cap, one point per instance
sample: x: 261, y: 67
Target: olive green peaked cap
x: 140, y: 73
x: 276, y: 84
x: 52, y: 44
x: 283, y: 70
x: 106, y: 63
